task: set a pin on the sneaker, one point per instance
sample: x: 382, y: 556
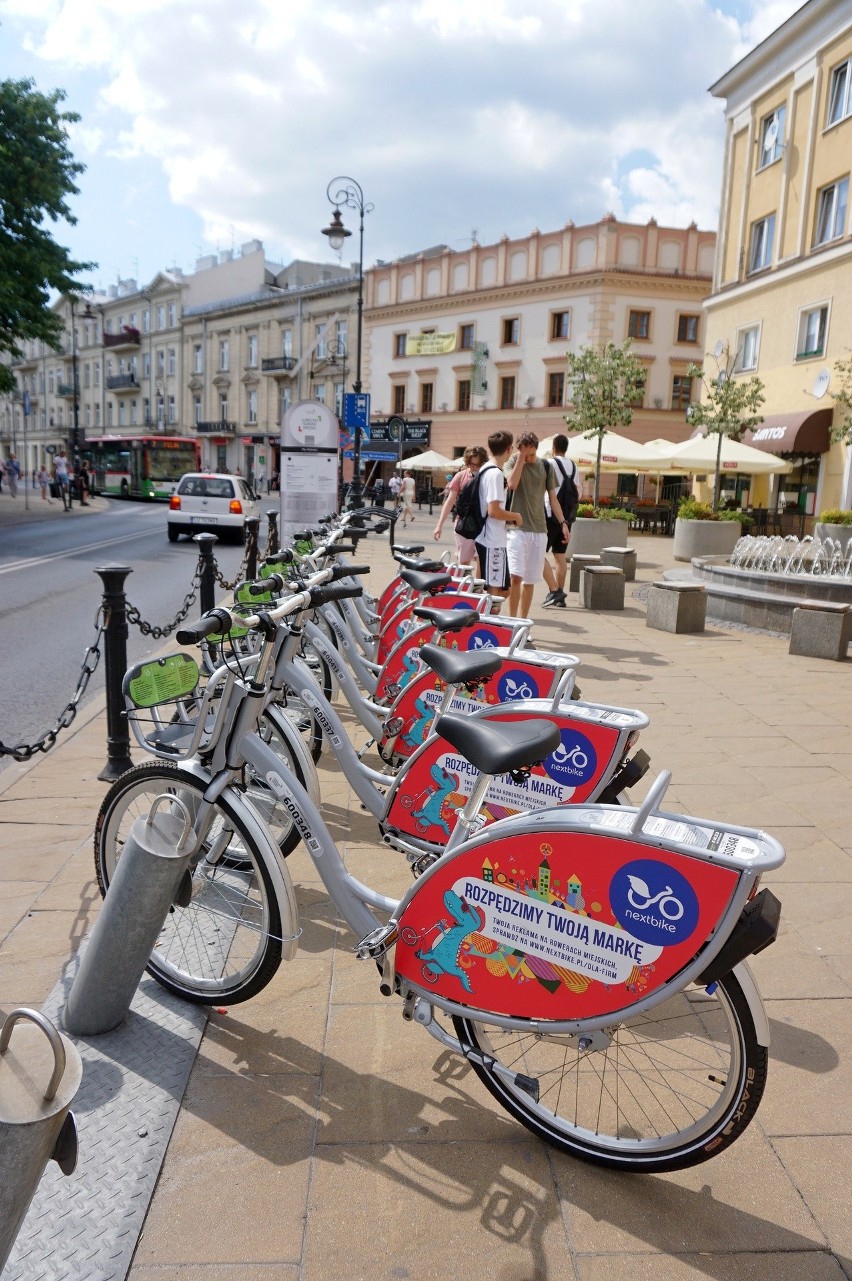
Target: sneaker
x: 552, y: 598
x: 561, y: 600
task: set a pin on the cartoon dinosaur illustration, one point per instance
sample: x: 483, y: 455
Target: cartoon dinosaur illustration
x: 416, y: 732
x: 430, y: 811
x: 443, y: 956
x: 411, y: 664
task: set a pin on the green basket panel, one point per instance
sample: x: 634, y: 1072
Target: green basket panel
x: 161, y: 680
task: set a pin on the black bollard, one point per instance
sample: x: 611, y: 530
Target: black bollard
x: 252, y: 526
x: 272, y: 543
x: 207, y: 588
x: 115, y: 667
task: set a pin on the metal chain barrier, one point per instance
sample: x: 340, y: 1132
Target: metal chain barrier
x: 222, y: 581
x: 150, y: 629
x: 91, y: 658
x: 248, y: 565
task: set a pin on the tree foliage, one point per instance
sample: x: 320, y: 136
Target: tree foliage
x: 841, y: 427
x: 605, y: 385
x: 37, y: 175
x: 728, y: 407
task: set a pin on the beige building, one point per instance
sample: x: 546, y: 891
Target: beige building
x: 477, y: 339
x: 781, y: 306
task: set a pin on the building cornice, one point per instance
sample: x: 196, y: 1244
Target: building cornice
x: 825, y: 259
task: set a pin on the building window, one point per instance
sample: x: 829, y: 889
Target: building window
x: 223, y: 406
x: 146, y: 322
x: 639, y: 324
x: 399, y: 398
x: 172, y: 360
x: 97, y: 413
x: 762, y: 236
x: 687, y: 328
x: 285, y: 398
x: 838, y: 99
x: 511, y: 332
x: 399, y: 341
x: 87, y: 374
x: 223, y: 354
x: 122, y: 412
x: 252, y: 405
x: 812, y: 331
x: 465, y: 337
x: 161, y: 362
x: 172, y: 315
x: 196, y: 410
x: 146, y: 411
x: 320, y: 343
x: 507, y: 392
x: 286, y: 343
x: 319, y: 392
x: 555, y: 389
x: 339, y: 391
x: 252, y: 351
x: 560, y: 325
x: 771, y: 137
x: 133, y: 413
x: 161, y: 317
x: 747, y: 345
x: 146, y: 365
x: 342, y: 334
x: 681, y: 391
x: 831, y: 212
x: 426, y: 390
x: 463, y: 395
x: 198, y: 359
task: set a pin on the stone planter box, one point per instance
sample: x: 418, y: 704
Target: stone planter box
x: 705, y: 538
x: 841, y: 533
x: 590, y: 535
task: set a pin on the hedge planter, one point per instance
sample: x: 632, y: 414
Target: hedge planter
x: 840, y: 533
x: 705, y: 538
x: 590, y: 535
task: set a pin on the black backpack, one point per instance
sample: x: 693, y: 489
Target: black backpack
x: 468, y: 508
x: 568, y: 493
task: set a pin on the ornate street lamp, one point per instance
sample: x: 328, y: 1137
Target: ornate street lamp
x: 347, y: 192
x: 88, y: 314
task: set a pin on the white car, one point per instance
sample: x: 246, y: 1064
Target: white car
x: 213, y: 503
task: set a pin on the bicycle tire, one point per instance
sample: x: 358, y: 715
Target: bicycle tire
x: 674, y: 1087
x: 224, y: 945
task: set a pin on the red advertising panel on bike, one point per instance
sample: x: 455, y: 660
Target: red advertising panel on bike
x: 401, y: 622
x: 571, y: 926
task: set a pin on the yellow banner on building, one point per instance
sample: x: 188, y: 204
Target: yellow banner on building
x: 429, y: 344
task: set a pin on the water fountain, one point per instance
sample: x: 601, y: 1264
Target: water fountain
x: 767, y: 576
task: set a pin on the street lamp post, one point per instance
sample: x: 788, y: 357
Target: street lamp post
x: 346, y: 191
x: 88, y: 314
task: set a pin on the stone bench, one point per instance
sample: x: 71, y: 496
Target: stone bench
x: 822, y: 629
x: 578, y: 564
x: 623, y: 558
x: 602, y: 587
x: 676, y: 607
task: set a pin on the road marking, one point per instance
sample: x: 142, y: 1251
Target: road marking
x: 75, y: 551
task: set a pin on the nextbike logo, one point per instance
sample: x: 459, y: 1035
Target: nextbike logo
x: 482, y: 639
x: 654, y: 902
x: 514, y: 685
x: 574, y: 761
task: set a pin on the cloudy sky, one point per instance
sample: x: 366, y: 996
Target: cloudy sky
x: 205, y: 123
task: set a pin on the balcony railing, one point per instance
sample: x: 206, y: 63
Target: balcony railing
x: 66, y: 389
x: 128, y: 337
x: 122, y: 382
x: 278, y: 365
x: 221, y: 427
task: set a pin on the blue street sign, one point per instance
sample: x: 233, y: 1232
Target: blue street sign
x: 27, y: 403
x: 356, y: 410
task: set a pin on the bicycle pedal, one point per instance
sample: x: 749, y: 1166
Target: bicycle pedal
x: 374, y: 946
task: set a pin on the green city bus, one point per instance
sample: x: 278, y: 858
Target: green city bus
x: 140, y: 466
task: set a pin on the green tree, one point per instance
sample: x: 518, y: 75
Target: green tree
x: 37, y: 173
x: 841, y: 427
x: 606, y: 384
x: 728, y: 407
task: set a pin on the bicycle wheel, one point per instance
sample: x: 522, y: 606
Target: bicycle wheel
x: 673, y: 1087
x: 225, y: 943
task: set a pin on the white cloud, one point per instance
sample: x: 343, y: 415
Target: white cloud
x: 498, y: 114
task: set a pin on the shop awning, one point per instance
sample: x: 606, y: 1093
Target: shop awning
x: 806, y: 432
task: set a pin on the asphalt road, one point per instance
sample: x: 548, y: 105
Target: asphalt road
x: 50, y: 596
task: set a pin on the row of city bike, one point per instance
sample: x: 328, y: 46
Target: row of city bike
x: 586, y: 956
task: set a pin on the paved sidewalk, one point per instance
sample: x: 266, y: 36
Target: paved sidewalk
x: 321, y: 1136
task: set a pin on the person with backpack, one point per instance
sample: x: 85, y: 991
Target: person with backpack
x: 529, y: 479
x: 483, y: 517
x: 557, y: 537
x: 474, y: 457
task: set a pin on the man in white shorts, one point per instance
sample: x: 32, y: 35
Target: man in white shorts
x: 491, y: 541
x: 528, y: 478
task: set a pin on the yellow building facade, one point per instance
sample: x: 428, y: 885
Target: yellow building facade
x: 781, y: 306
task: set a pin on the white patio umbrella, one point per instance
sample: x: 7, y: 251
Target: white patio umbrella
x: 428, y: 461
x: 618, y: 453
x: 700, y: 453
